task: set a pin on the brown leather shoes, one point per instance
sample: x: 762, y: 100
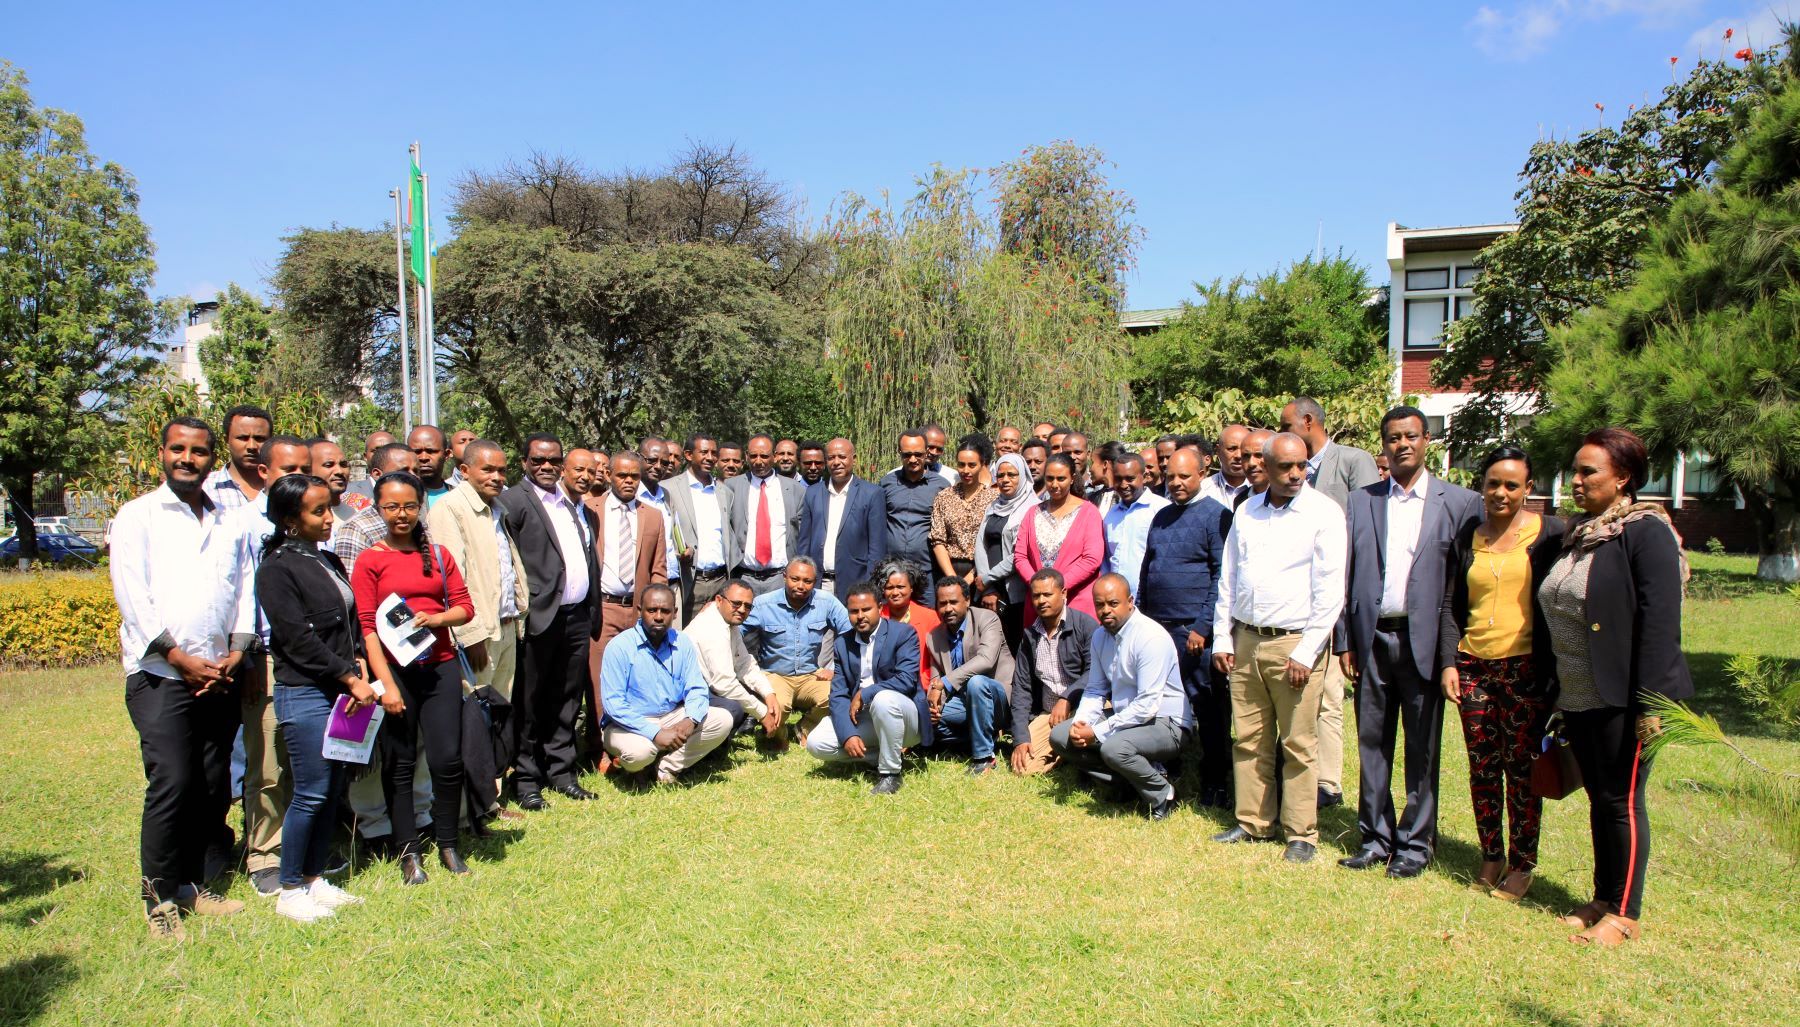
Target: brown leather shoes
x: 1611, y: 932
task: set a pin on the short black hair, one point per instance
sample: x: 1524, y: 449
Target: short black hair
x: 267, y: 452
x: 383, y: 460
x: 542, y: 436
x: 697, y: 438
x: 863, y: 588
x: 1050, y: 574
x: 770, y: 439
x: 650, y: 590
x: 723, y: 446
x: 244, y: 410
x: 910, y: 433
x: 812, y: 444
x: 1033, y: 443
x: 1501, y: 454
x: 196, y: 423
x: 1401, y: 413
x: 1173, y: 440
x: 952, y: 581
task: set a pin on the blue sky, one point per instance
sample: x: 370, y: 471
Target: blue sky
x: 1237, y: 129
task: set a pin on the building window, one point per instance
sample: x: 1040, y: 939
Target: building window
x: 1701, y: 477
x: 1425, y: 323
x: 1428, y: 278
x: 1465, y: 307
x: 1465, y: 277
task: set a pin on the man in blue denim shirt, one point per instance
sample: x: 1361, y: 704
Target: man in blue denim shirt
x: 658, y: 708
x: 790, y: 632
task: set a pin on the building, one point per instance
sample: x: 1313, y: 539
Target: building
x: 1432, y: 282
x: 184, y: 357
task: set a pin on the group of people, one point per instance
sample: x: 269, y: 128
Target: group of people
x: 1025, y: 602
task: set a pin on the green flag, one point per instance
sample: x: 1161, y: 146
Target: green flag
x: 416, y: 207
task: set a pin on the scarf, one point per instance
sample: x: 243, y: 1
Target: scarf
x: 1592, y: 531
x: 1015, y: 510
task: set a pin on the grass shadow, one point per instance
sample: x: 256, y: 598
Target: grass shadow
x: 31, y: 875
x: 27, y: 985
x: 1716, y: 695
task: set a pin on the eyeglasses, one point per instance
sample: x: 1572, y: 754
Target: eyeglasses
x: 552, y: 460
x: 394, y: 508
x: 737, y: 604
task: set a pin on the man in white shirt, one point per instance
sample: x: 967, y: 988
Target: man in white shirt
x: 173, y: 573
x: 765, y: 510
x: 1228, y: 482
x: 701, y: 508
x: 725, y: 661
x: 1127, y: 523
x: 1135, y: 666
x: 1280, y: 591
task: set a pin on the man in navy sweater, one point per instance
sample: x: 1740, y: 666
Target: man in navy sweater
x: 1182, y: 556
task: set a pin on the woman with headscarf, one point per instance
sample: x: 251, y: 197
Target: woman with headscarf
x: 1002, y: 590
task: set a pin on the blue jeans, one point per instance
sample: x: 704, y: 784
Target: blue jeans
x: 302, y: 711
x: 979, y: 708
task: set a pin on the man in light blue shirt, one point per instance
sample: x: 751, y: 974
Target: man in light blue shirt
x: 1127, y: 524
x: 790, y: 631
x: 1134, y: 664
x: 657, y: 706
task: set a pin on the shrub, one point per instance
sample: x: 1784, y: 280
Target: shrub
x: 57, y: 619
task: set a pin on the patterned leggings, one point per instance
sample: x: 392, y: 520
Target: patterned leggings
x: 1503, y: 713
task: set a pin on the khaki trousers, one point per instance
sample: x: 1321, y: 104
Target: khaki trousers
x: 268, y: 784
x: 502, y: 668
x: 1042, y: 759
x: 804, y: 692
x: 1331, y: 729
x: 635, y: 752
x: 1268, y: 712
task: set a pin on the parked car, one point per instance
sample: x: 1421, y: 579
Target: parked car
x: 54, y: 546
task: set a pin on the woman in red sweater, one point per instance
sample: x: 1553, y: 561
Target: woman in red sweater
x: 425, y: 696
x: 1065, y: 533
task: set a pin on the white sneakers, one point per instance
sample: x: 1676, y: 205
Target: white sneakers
x: 330, y: 896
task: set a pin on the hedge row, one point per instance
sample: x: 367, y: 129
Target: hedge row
x: 57, y: 619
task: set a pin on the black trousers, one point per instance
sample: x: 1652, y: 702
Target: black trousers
x: 553, y: 677
x: 433, y: 696
x: 186, y: 744
x: 1210, y: 695
x: 1391, y: 696
x: 1614, y: 769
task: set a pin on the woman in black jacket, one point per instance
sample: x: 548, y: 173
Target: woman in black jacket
x: 1495, y: 651
x: 1612, y: 603
x: 316, y: 640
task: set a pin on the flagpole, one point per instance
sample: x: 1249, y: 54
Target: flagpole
x: 405, y: 362
x: 430, y: 309
x: 423, y: 220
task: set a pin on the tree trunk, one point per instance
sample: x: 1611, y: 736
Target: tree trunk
x: 24, y: 516
x: 1778, y: 537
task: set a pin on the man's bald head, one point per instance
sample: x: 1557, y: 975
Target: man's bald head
x: 1284, y: 458
x: 1112, y: 601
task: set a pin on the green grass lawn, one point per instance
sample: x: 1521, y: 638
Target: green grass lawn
x: 772, y: 891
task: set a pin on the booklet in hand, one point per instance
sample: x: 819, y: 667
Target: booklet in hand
x: 350, y: 737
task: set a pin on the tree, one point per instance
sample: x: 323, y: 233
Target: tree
x: 234, y: 356
x: 76, y: 316
x: 1703, y: 350
x: 930, y: 320
x: 1056, y: 208
x: 1248, y: 345
x: 1585, y: 208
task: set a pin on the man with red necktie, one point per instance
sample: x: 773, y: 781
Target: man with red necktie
x: 768, y: 507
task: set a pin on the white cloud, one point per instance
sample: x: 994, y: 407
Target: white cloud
x: 1758, y: 29
x: 1527, y: 29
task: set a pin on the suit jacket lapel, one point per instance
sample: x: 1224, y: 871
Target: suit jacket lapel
x: 537, y: 507
x: 1378, y: 515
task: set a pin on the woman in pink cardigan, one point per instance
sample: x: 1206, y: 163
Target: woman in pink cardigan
x: 1065, y: 533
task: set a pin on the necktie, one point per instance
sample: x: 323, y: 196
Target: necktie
x: 1312, y: 475
x: 956, y: 651
x: 765, y: 550
x: 622, y: 531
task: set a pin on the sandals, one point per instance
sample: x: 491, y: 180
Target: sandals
x: 1584, y: 917
x: 1521, y: 883
x: 1611, y: 932
x: 1488, y: 877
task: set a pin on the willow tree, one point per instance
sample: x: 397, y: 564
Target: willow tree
x: 932, y: 319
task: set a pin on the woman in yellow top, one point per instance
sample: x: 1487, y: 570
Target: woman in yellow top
x: 1489, y: 627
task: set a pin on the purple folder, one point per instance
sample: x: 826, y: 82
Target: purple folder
x: 348, y: 727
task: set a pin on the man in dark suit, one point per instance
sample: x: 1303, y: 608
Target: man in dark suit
x: 843, y: 523
x: 707, y: 545
x: 874, y: 708
x: 1335, y: 470
x: 1182, y: 555
x: 554, y: 534
x: 765, y: 512
x: 1400, y: 530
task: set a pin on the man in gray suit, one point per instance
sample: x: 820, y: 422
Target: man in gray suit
x: 706, y: 542
x: 765, y: 514
x: 1336, y: 470
x: 1400, y: 530
x: 971, y: 673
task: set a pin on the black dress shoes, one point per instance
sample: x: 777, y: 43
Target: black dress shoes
x: 886, y: 784
x: 573, y: 791
x: 1236, y: 836
x: 1216, y: 797
x: 1362, y: 861
x: 1162, y: 809
x: 452, y: 860
x: 411, y: 872
x: 1330, y: 799
x: 1403, y: 867
x: 1299, y: 852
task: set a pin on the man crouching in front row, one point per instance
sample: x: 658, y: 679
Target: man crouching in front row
x: 874, y: 694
